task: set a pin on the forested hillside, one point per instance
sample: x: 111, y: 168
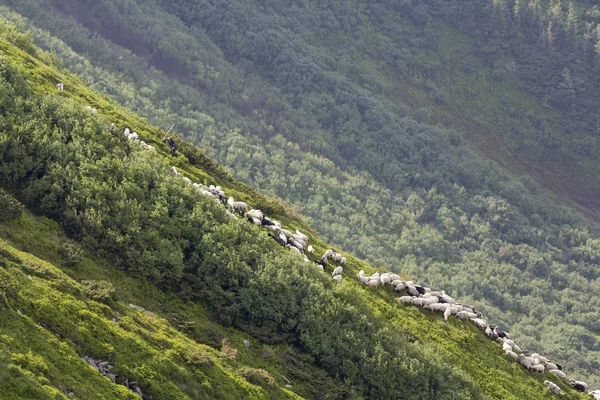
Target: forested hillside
x: 119, y: 263
x: 376, y: 120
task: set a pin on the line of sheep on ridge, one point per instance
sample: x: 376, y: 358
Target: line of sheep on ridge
x: 439, y: 301
x: 417, y: 295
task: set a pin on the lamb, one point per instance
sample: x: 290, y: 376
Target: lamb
x: 559, y: 373
x: 337, y: 278
x: 554, y: 388
x: 60, y: 86
x: 337, y: 271
x: 310, y: 249
x: 343, y: 260
x: 174, y: 172
x: 399, y: 286
x: 579, y: 385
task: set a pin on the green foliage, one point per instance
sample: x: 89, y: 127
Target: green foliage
x: 101, y: 291
x: 11, y: 207
x: 72, y: 253
x: 256, y: 376
x: 123, y: 204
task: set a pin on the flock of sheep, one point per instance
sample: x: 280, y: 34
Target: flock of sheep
x: 439, y: 301
x: 417, y: 295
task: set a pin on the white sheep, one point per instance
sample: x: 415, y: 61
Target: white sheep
x: 175, y: 172
x: 419, y: 301
x: 550, y: 366
x: 554, y: 388
x: 337, y: 278
x: 481, y: 324
x: 512, y: 354
x: 541, y: 359
x: 373, y: 283
x: 465, y: 315
x: 302, y: 235
x: 257, y: 214
x: 237, y: 206
x: 91, y: 110
x: 405, y: 299
x: 310, y: 249
x: 60, y: 86
x: 337, y: 271
x: 384, y: 278
x: 439, y: 307
x: 447, y: 298
x: 537, y: 368
x: 343, y: 260
x: 559, y: 373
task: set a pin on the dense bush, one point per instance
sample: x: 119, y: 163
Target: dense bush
x: 10, y: 208
x: 313, y: 102
x: 124, y: 204
x: 102, y: 291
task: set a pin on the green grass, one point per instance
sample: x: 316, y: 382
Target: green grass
x: 175, y: 350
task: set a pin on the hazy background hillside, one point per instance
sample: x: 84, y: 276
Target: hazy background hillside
x: 379, y: 121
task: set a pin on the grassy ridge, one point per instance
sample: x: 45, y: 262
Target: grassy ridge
x: 55, y: 296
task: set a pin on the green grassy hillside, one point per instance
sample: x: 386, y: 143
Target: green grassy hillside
x: 340, y: 109
x: 189, y: 265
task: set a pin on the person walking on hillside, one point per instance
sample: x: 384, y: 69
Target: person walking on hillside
x: 172, y: 145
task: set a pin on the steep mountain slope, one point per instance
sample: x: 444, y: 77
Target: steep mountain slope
x: 428, y: 206
x: 153, y: 229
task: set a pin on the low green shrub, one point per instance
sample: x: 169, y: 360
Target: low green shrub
x: 72, y: 253
x: 102, y: 291
x: 256, y: 376
x: 10, y: 208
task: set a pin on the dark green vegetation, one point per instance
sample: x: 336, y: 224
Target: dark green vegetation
x: 208, y: 280
x: 336, y: 107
